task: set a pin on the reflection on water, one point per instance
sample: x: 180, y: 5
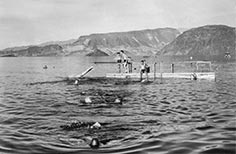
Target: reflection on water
x: 172, y: 116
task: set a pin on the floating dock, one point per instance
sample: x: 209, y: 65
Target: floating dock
x: 198, y: 75
x: 183, y: 70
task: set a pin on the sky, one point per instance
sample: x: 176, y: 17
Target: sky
x: 28, y: 22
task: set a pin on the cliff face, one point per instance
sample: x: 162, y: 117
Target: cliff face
x: 143, y: 42
x: 205, y: 42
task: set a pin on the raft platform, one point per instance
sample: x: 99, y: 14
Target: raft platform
x: 186, y: 70
x: 198, y: 75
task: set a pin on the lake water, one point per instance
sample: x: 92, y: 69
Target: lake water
x: 165, y: 117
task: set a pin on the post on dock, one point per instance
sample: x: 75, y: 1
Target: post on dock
x: 210, y: 66
x: 154, y: 71
x: 131, y: 67
x: 160, y: 70
x: 172, y: 67
x: 197, y: 66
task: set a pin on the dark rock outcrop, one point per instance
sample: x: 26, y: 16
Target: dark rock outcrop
x: 97, y: 53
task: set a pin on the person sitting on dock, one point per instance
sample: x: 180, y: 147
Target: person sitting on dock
x: 144, y: 69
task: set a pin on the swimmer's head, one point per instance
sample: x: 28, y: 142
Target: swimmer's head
x: 76, y: 82
x: 94, y: 143
x: 118, y: 101
x: 87, y: 100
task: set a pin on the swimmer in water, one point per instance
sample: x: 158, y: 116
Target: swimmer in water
x: 76, y: 82
x: 88, y: 100
x: 117, y: 100
x: 81, y: 125
x: 45, y: 67
x: 94, y: 143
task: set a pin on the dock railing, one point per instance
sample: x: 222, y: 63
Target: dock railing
x: 183, y: 67
x: 176, y: 67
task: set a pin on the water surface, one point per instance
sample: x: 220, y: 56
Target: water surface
x: 167, y: 117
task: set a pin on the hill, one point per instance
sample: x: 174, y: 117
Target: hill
x: 142, y: 42
x: 204, y: 43
x: 48, y: 50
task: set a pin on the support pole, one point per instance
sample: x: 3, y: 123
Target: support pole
x: 155, y: 70
x: 172, y: 68
x: 160, y: 70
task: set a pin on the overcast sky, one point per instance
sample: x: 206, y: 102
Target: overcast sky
x: 24, y: 22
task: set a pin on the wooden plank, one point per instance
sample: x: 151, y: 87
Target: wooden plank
x: 76, y: 77
x: 105, y: 62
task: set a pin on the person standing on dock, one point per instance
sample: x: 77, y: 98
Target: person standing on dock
x: 125, y: 60
x: 144, y: 69
x: 123, y: 55
x: 129, y: 65
x: 118, y: 59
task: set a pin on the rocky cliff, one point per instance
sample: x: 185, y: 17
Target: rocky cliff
x: 144, y: 42
x: 207, y: 42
